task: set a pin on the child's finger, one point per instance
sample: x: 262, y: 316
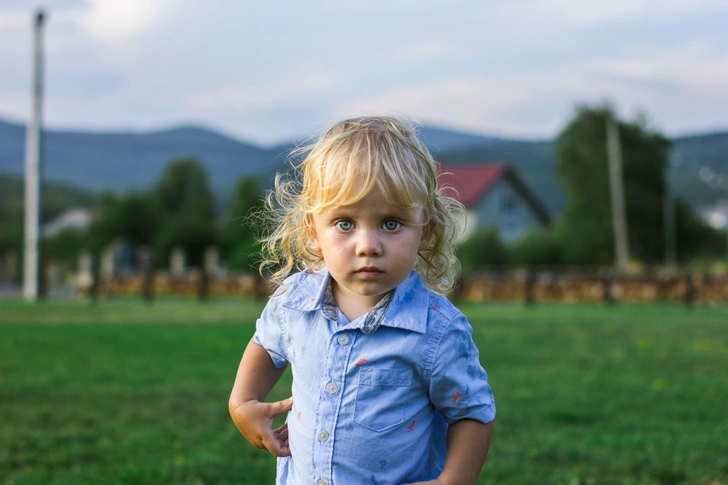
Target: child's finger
x: 277, y: 447
x: 281, y: 407
x: 282, y: 433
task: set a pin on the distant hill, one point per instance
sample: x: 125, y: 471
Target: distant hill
x: 123, y: 161
x: 440, y: 140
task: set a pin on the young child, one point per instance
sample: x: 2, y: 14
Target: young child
x: 387, y: 385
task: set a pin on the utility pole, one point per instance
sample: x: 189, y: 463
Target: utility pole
x: 616, y: 186
x: 31, y: 271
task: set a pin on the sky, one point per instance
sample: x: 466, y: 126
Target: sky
x: 268, y: 72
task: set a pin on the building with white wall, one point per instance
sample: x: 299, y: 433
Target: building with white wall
x: 494, y: 195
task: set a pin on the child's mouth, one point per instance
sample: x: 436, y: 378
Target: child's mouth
x: 369, y: 272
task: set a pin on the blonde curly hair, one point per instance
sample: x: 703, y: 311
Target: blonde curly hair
x: 341, y: 168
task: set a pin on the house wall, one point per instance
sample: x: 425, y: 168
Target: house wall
x: 504, y: 208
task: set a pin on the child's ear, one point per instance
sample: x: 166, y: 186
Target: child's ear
x: 314, y: 242
x: 311, y: 235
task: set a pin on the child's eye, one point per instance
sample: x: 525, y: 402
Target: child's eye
x: 392, y: 225
x: 345, y: 225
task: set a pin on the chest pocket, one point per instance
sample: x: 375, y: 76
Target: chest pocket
x: 381, y: 397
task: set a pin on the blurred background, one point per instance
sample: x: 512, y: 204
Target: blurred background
x: 163, y: 124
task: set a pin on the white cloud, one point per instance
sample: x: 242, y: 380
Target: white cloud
x: 556, y: 13
x: 535, y: 106
x: 257, y: 96
x: 118, y: 20
x: 694, y: 65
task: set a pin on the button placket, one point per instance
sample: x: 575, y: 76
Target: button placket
x: 330, y: 396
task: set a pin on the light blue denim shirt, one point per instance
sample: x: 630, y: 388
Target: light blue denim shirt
x: 372, y: 398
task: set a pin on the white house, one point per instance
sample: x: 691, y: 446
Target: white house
x: 76, y: 218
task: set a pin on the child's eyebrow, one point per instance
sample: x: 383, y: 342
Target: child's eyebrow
x: 389, y: 212
x: 403, y: 214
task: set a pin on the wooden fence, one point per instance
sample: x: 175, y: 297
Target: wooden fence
x: 532, y: 287
x: 529, y: 287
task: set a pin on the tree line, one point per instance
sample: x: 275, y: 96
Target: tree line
x: 179, y: 210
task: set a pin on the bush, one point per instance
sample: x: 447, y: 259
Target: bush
x: 536, y: 248
x: 481, y: 250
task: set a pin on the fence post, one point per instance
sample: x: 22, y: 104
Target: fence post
x: 94, y: 288
x: 43, y: 283
x: 210, y: 262
x: 145, y: 261
x: 211, y: 259
x: 84, y: 277
x: 689, y: 296
x: 528, y: 288
x: 108, y: 261
x: 10, y: 262
x: 607, y: 295
x: 203, y: 285
x: 177, y: 262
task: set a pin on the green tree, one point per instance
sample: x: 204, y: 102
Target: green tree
x: 585, y: 227
x: 239, y: 237
x: 11, y: 233
x: 133, y: 217
x: 186, y: 210
x: 55, y: 199
x: 63, y: 247
x: 11, y: 229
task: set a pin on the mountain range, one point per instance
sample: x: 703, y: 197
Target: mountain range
x: 123, y: 161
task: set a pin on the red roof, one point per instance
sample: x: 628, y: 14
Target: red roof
x: 470, y: 182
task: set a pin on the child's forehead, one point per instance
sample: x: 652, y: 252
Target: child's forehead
x: 375, y: 202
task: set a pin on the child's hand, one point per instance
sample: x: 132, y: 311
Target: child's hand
x: 254, y: 419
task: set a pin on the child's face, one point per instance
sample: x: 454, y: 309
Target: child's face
x: 369, y: 247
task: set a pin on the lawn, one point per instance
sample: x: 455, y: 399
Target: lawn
x: 123, y: 392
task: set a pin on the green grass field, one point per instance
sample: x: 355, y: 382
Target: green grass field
x: 122, y: 392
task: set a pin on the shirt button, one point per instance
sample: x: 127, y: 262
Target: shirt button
x: 323, y: 435
x: 321, y: 482
x: 343, y: 339
x: 331, y: 388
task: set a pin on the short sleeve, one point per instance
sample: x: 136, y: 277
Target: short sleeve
x: 459, y: 386
x: 269, y: 333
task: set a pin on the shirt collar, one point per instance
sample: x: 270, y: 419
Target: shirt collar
x: 405, y: 307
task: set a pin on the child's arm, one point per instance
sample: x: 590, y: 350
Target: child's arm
x: 467, y: 446
x: 253, y: 417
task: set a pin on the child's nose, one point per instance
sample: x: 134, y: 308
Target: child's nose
x: 368, y: 243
